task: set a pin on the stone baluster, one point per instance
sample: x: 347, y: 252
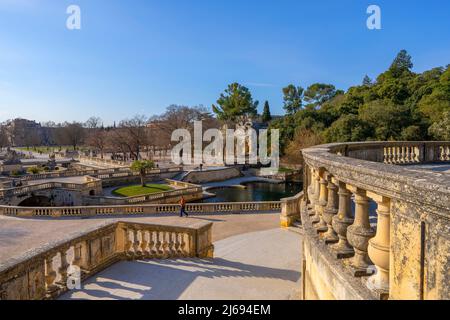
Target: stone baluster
x: 386, y: 154
x: 128, y: 244
x: 330, y: 211
x: 315, y: 213
x: 158, y: 245
x: 396, y: 154
x: 145, y: 250
x: 62, y: 270
x: 413, y: 154
x: 340, y: 223
x: 152, y: 244
x: 311, y: 189
x: 50, y: 277
x: 409, y: 154
x: 360, y: 232
x: 387, y: 158
x: 81, y: 257
x: 165, y: 244
x: 321, y: 226
x: 178, y: 244
x: 379, y: 248
x: 136, y: 244
x: 185, y: 245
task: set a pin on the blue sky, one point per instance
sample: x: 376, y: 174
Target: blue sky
x: 139, y: 56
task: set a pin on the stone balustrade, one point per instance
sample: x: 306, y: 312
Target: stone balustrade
x: 52, y: 270
x: 103, y: 161
x: 403, y: 251
x: 89, y: 184
x: 145, y: 209
x: 99, y: 173
x: 188, y: 190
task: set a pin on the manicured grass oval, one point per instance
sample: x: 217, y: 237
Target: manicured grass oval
x: 138, y: 190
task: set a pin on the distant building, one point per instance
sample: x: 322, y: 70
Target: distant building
x: 23, y: 132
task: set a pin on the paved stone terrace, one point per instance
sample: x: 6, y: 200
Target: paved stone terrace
x: 257, y: 265
x: 18, y: 235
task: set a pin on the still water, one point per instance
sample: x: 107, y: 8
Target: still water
x: 255, y: 191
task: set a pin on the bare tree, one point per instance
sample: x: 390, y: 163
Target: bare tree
x: 4, y: 141
x: 132, y: 135
x: 93, y: 123
x: 178, y: 117
x: 73, y: 134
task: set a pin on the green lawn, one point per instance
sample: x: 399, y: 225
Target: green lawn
x: 138, y: 190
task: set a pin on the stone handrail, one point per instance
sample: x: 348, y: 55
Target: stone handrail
x: 405, y: 253
x: 144, y: 209
x: 290, y: 210
x: 49, y: 271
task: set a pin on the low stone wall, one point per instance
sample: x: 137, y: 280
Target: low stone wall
x: 190, y: 192
x: 212, y: 175
x: 45, y: 273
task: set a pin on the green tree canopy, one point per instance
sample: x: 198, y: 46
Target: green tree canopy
x: 266, y: 116
x: 319, y: 93
x: 402, y: 63
x: 142, y: 167
x: 235, y: 104
x: 293, y: 99
x: 399, y: 105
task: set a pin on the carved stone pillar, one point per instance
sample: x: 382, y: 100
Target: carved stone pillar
x: 312, y: 197
x: 127, y: 244
x: 330, y: 211
x: 81, y: 257
x: 311, y: 188
x: 379, y: 248
x: 340, y: 223
x: 62, y: 270
x: 50, y: 276
x: 145, y: 251
x: 321, y: 226
x: 136, y: 244
x: 359, y: 233
x: 316, y: 217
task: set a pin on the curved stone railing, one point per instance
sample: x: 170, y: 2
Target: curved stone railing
x: 404, y: 254
x: 47, y: 272
x: 290, y: 210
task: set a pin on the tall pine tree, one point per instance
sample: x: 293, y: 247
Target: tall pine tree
x: 266, y: 116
